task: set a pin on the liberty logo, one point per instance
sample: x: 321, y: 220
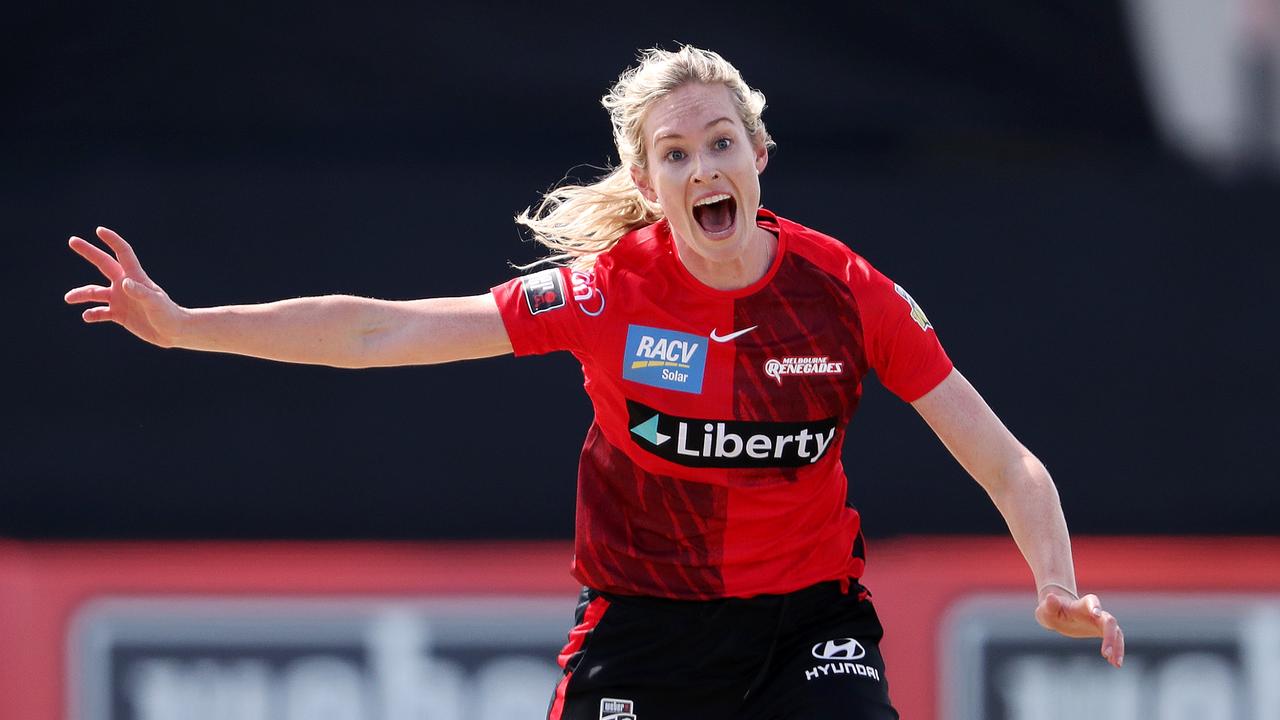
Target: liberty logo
x: 695, y: 442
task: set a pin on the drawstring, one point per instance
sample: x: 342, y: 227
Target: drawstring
x: 773, y: 645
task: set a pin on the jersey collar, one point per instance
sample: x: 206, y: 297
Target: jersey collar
x: 765, y: 219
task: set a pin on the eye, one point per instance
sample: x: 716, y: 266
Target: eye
x: 723, y: 143
x: 675, y: 155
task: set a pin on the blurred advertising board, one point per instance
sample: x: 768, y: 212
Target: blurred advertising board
x: 1201, y: 617
x: 470, y: 631
x: 1207, y: 657
x: 480, y: 658
x: 281, y: 630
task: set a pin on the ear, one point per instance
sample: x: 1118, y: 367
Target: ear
x: 761, y: 155
x: 640, y: 177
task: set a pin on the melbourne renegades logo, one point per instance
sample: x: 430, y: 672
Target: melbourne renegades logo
x: 823, y: 365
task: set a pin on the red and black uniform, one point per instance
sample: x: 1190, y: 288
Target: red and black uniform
x: 712, y: 470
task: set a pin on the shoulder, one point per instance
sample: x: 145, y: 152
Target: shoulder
x: 829, y: 254
x: 635, y: 254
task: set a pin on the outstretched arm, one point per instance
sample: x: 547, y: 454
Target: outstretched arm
x: 1024, y: 493
x: 335, y: 330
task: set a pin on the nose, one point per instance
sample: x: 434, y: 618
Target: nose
x: 703, y: 171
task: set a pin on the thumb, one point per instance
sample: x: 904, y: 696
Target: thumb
x: 1050, y: 609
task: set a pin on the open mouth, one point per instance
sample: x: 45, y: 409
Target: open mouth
x: 716, y: 214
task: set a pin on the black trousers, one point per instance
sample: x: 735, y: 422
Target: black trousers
x: 812, y: 654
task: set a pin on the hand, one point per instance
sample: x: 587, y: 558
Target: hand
x: 132, y: 299
x: 1081, y: 618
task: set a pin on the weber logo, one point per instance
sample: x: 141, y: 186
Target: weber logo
x: 279, y: 658
x: 695, y: 442
x: 613, y: 709
x: 544, y: 290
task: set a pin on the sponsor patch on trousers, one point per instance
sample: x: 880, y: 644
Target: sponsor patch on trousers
x: 832, y: 669
x: 699, y: 442
x: 614, y: 709
x: 839, y: 649
x: 842, y: 651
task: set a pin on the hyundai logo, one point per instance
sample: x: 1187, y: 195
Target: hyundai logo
x: 839, y: 649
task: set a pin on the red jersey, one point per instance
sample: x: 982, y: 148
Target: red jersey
x: 712, y: 468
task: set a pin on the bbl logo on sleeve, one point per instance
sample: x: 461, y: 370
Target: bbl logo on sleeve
x: 665, y: 358
x: 543, y: 290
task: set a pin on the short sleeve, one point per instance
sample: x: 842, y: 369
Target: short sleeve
x: 902, y: 346
x: 536, y: 311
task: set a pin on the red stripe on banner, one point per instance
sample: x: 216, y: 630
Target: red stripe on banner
x: 577, y: 638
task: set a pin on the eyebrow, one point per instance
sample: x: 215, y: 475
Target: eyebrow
x: 678, y: 136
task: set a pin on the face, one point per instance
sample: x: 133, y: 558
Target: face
x: 703, y: 170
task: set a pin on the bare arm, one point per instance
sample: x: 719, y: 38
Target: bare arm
x: 1025, y: 495
x: 351, y: 332
x: 335, y: 330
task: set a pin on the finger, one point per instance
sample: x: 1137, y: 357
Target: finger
x: 88, y: 293
x: 1054, y: 605
x: 1050, y: 610
x: 106, y: 264
x: 128, y: 259
x: 101, y: 313
x: 1093, y: 609
x: 1109, y: 630
x: 1117, y: 658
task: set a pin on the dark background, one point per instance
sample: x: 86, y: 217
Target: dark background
x: 1112, y: 302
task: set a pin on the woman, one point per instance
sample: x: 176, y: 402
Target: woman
x: 723, y: 349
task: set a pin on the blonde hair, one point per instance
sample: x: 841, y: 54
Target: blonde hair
x: 578, y: 222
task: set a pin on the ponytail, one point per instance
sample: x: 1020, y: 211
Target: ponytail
x: 578, y: 222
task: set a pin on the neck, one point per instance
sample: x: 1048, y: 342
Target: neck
x: 733, y: 273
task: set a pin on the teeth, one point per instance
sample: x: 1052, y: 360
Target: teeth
x: 711, y: 199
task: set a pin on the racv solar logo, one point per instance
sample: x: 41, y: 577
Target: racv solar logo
x: 665, y: 358
x: 697, y: 442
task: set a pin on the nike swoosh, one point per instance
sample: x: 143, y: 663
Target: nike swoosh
x: 732, y: 335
